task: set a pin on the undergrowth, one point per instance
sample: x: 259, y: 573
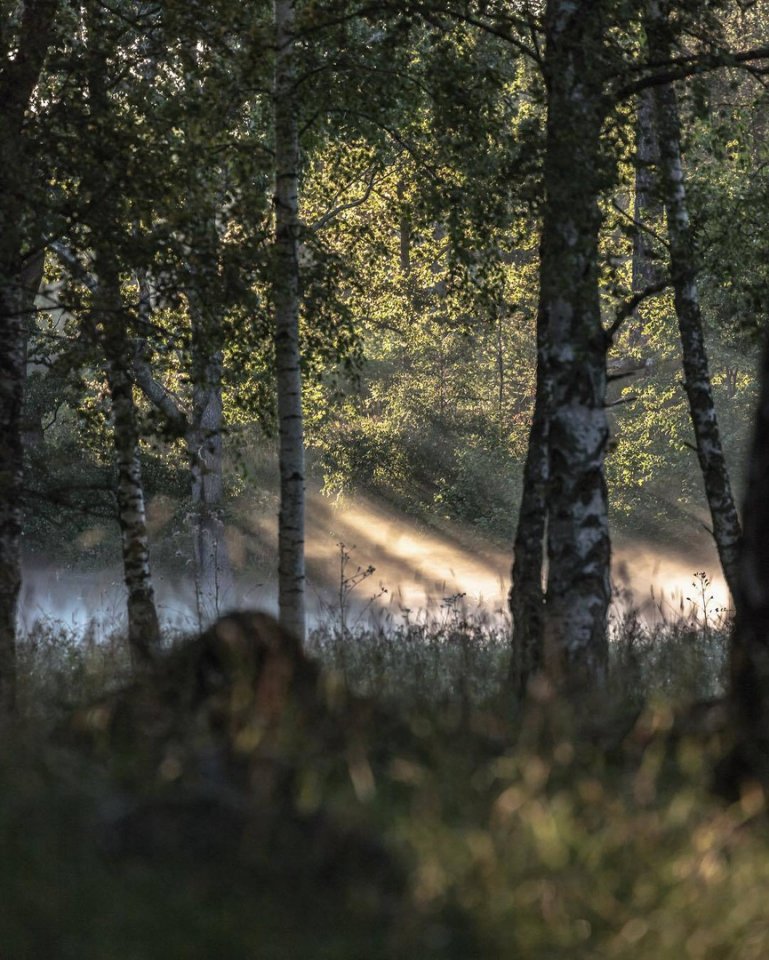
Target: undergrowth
x: 525, y: 837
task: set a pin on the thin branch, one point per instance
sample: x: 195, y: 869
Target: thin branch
x: 330, y: 215
x: 160, y: 397
x: 379, y: 10
x: 406, y: 146
x: 70, y: 260
x: 57, y: 409
x: 626, y: 374
x: 535, y: 41
x: 694, y: 65
x: 430, y: 16
x: 630, y: 306
x: 642, y: 227
x: 68, y: 498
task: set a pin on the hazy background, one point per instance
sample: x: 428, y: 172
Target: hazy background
x: 416, y: 568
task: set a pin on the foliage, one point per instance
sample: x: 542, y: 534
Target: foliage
x: 518, y: 831
x: 422, y: 143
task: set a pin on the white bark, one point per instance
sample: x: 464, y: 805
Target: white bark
x: 291, y: 563
x: 578, y: 545
x: 143, y: 624
x: 214, y: 581
x: 202, y: 431
x: 699, y: 391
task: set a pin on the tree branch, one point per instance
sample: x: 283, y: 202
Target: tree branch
x: 642, y: 227
x: 694, y: 65
x: 630, y: 306
x: 159, y: 396
x: 327, y: 217
x: 68, y: 258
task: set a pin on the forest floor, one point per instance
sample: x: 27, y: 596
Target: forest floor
x: 406, y: 810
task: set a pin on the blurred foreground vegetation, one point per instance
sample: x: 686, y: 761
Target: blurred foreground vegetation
x: 442, y: 821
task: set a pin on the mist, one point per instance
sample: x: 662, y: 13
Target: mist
x: 416, y: 568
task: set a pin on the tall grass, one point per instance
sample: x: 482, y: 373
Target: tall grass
x: 529, y: 843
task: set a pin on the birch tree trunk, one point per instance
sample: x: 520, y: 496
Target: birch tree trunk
x: 213, y: 572
x: 18, y: 78
x: 291, y: 564
x: 527, y: 596
x: 699, y: 391
x: 143, y: 625
x: 578, y: 581
x: 201, y: 431
x: 111, y: 322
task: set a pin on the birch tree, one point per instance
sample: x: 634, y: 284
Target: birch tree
x: 578, y: 547
x: 201, y: 428
x: 149, y: 247
x: 100, y: 233
x: 107, y: 323
x: 205, y: 445
x: 286, y: 295
x: 588, y: 75
x: 683, y: 268
x: 110, y: 320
